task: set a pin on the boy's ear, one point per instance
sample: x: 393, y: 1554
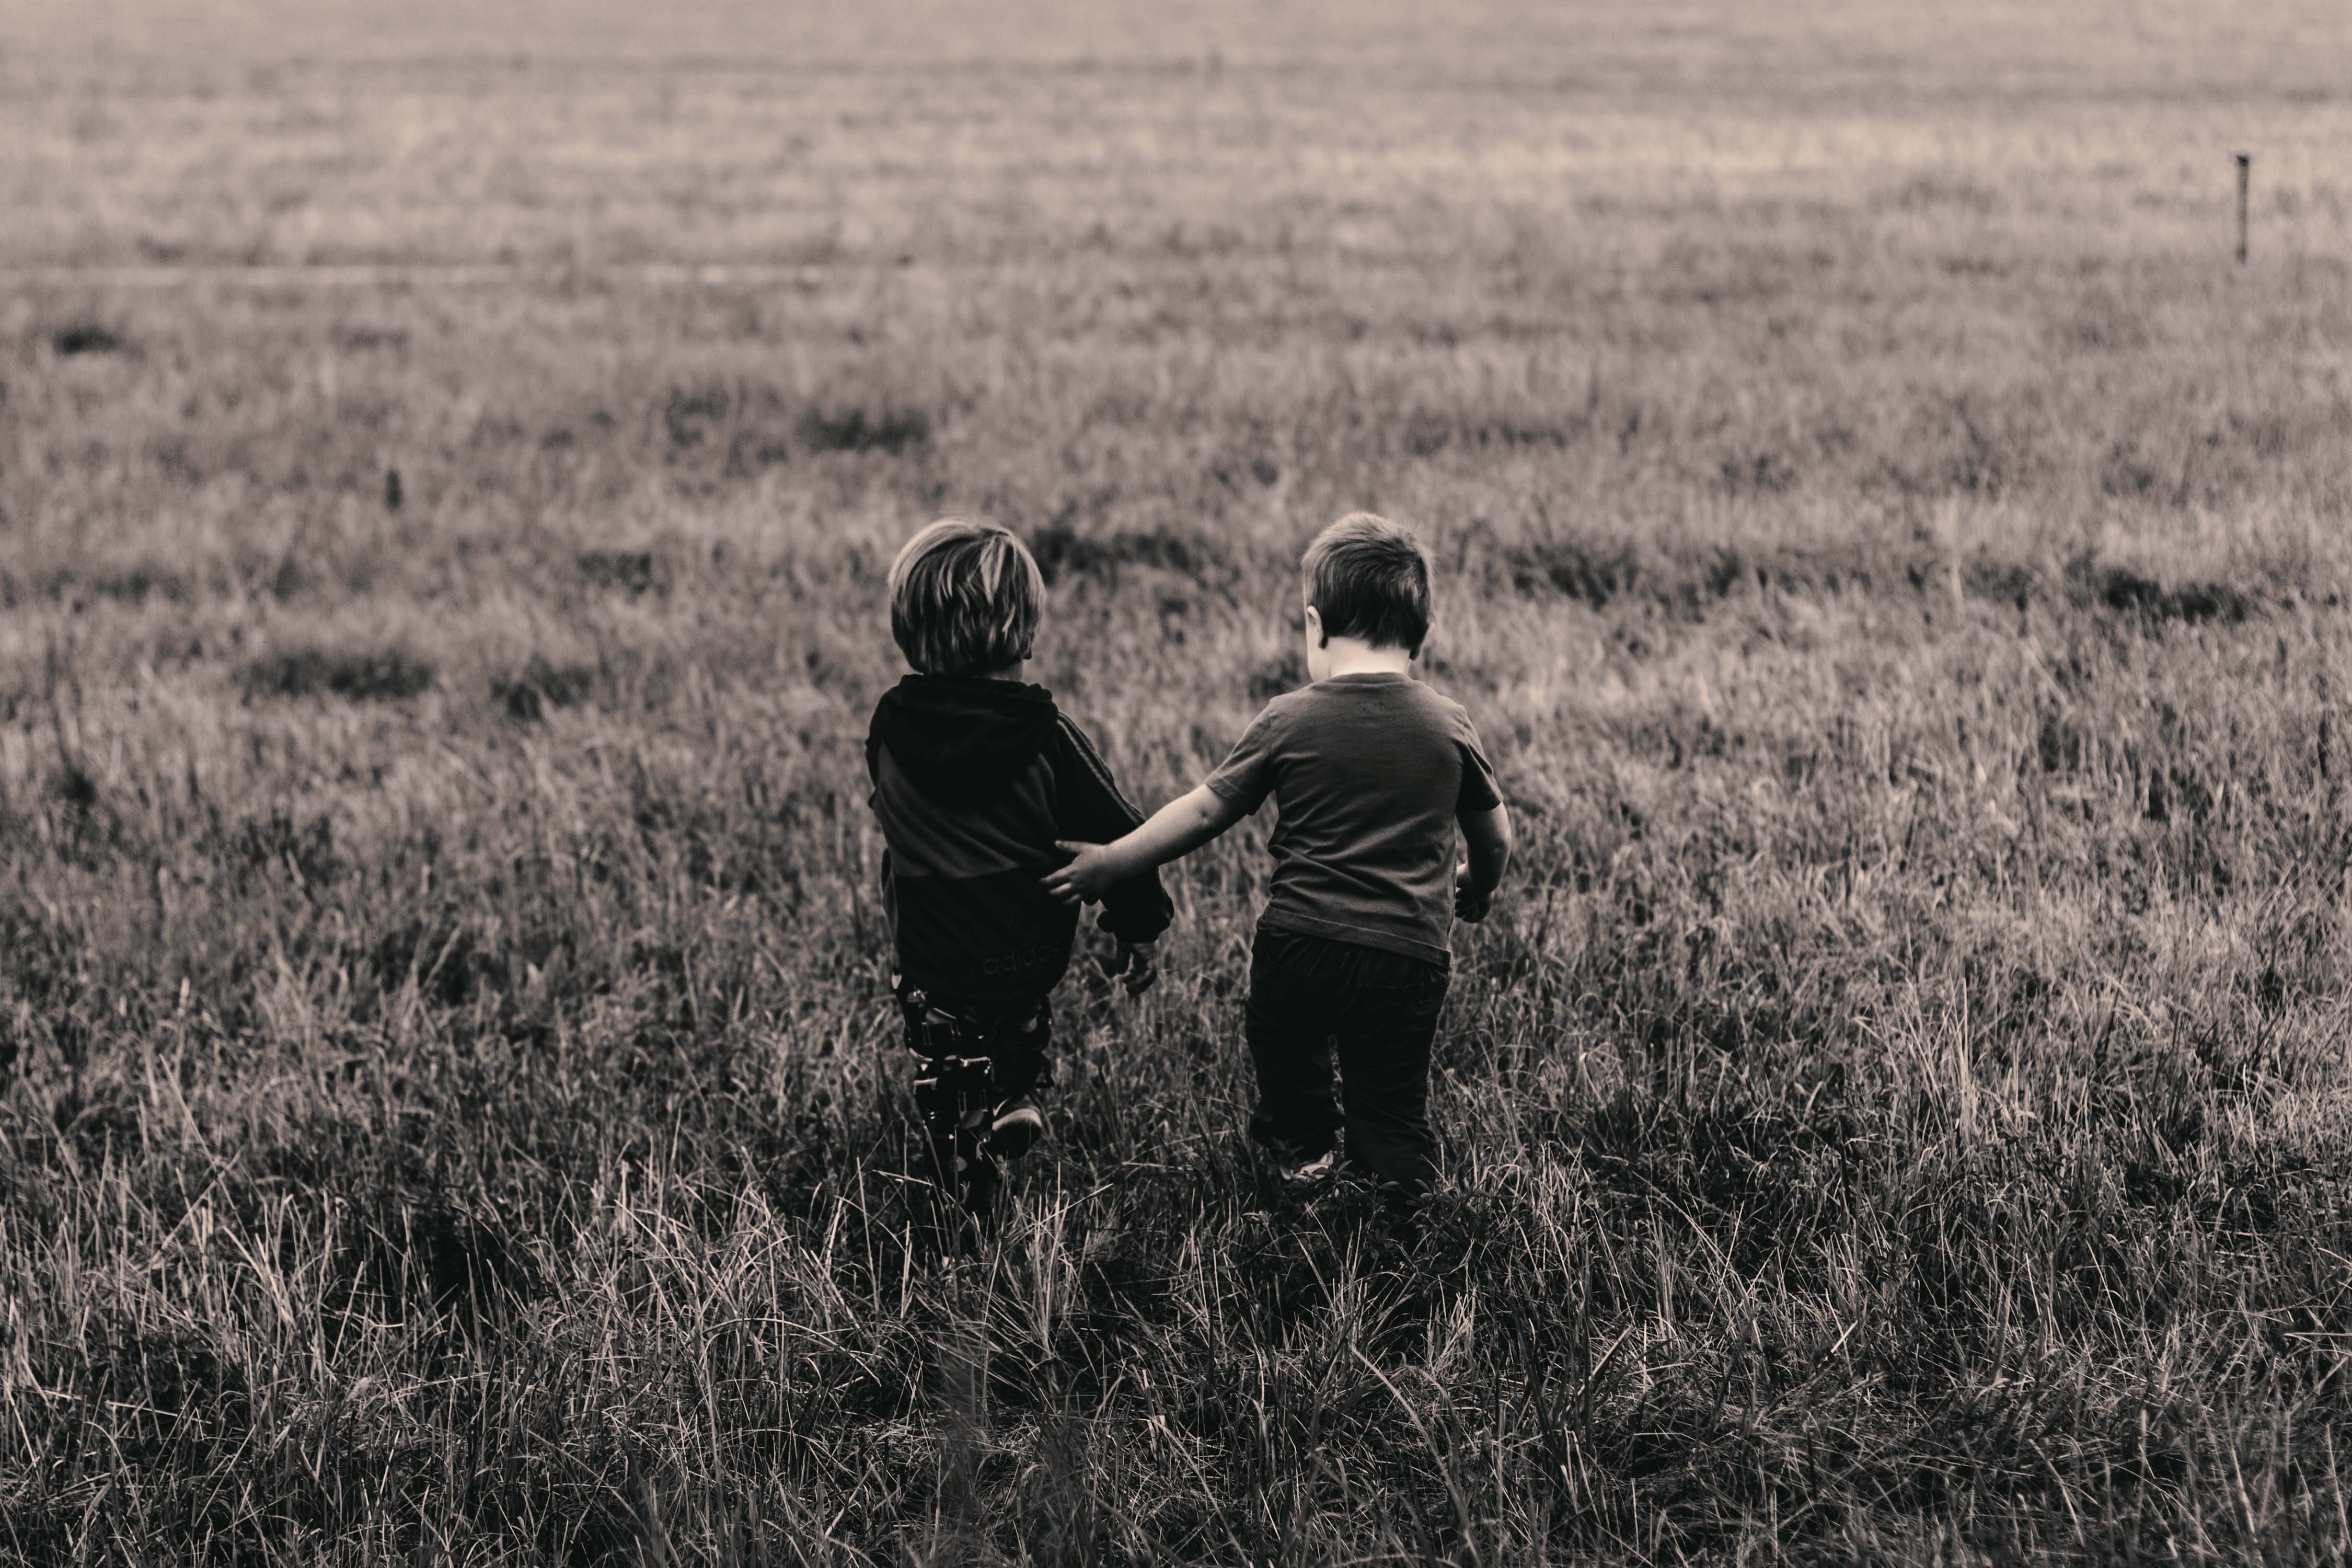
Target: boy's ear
x: 1315, y: 627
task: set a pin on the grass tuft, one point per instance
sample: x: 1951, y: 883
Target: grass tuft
x: 85, y: 338
x: 380, y: 675
x: 2193, y: 604
x: 542, y: 686
x: 890, y: 429
x: 630, y: 571
x: 1063, y: 553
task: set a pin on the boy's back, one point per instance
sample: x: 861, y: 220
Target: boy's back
x: 1370, y: 773
x: 973, y: 781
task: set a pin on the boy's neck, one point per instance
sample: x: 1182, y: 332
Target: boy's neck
x: 1354, y: 655
x: 1012, y: 671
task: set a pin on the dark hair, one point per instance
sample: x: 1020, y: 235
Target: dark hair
x: 1369, y: 578
x: 964, y: 598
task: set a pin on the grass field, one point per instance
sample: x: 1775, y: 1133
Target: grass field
x: 1899, y: 1110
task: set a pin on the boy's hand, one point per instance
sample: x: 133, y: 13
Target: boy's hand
x: 1090, y: 873
x: 1470, y: 902
x: 1132, y: 963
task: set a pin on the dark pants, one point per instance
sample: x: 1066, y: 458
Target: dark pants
x: 1380, y: 1008
x: 971, y: 1060
x: 1015, y: 1037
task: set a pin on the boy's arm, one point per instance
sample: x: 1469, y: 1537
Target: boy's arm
x: 1237, y: 787
x: 1135, y: 908
x: 1487, y: 836
x: 1175, y: 830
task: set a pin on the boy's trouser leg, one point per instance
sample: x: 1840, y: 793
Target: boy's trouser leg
x: 1385, y: 1033
x: 1288, y: 1023
x: 1017, y: 1039
x: 1022, y: 1036
x: 958, y: 1102
x: 1382, y: 1009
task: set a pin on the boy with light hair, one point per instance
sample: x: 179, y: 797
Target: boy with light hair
x: 1372, y: 773
x: 975, y: 776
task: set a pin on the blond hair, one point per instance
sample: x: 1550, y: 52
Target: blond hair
x: 965, y: 597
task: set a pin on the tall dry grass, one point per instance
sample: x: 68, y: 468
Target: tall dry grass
x: 1898, y: 1112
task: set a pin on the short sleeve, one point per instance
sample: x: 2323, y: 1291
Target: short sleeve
x: 1246, y: 775
x: 1479, y: 790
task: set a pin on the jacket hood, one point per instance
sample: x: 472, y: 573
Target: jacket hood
x: 961, y: 738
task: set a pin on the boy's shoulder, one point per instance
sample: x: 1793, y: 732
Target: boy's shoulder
x: 1437, y: 700
x: 1080, y: 746
x: 1360, y: 719
x: 1342, y: 701
x: 1286, y: 713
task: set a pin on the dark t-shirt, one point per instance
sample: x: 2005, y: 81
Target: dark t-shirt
x: 1368, y: 773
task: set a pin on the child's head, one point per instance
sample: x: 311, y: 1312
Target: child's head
x: 1368, y: 578
x: 964, y: 598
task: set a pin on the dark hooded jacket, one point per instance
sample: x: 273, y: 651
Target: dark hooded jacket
x: 973, y: 781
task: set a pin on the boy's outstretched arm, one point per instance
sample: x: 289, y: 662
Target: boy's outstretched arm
x: 1486, y: 835
x: 1089, y: 808
x: 1176, y: 830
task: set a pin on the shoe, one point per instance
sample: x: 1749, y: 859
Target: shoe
x: 1312, y: 1173
x: 1016, y: 1129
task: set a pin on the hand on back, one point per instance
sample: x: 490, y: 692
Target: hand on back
x: 1089, y: 874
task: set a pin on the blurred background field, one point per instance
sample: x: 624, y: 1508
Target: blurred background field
x: 447, y: 464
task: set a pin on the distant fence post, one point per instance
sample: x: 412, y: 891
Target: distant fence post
x: 2245, y: 174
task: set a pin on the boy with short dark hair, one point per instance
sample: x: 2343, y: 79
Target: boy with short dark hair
x: 975, y: 776
x: 1372, y: 771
